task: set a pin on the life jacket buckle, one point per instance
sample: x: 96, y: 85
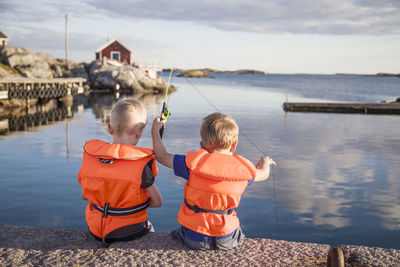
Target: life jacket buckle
x: 197, y: 209
x: 107, y: 161
x: 106, y: 210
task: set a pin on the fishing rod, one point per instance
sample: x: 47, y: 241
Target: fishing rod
x: 251, y: 142
x: 165, y: 112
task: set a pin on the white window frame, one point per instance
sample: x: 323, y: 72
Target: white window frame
x: 118, y: 53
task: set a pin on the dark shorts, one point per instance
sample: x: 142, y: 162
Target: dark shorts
x: 213, y: 243
x: 126, y: 233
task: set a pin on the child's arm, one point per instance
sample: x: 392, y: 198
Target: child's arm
x: 161, y: 153
x: 262, y: 169
x: 155, y: 196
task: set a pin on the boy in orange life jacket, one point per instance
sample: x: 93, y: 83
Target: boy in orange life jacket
x: 118, y: 179
x: 216, y: 179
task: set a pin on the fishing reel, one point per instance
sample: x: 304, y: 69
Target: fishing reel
x: 165, y: 112
x: 164, y: 115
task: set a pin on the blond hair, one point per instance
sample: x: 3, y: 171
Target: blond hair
x: 219, y: 131
x: 127, y: 115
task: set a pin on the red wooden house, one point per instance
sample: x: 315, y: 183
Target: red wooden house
x: 116, y: 51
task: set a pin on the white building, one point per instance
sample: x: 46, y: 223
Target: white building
x: 3, y: 39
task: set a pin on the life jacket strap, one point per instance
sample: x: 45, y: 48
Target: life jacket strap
x: 197, y: 209
x: 108, y: 211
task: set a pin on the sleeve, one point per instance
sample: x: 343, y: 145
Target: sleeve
x: 147, y: 177
x: 180, y: 168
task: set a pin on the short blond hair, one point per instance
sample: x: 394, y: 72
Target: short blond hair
x: 128, y: 114
x: 219, y: 131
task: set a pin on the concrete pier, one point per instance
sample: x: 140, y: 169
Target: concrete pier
x: 34, y: 246
x: 37, y: 88
x: 363, y: 108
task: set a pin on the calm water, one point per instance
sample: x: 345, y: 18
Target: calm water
x: 337, y: 179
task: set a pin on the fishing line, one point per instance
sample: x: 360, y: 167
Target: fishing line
x: 251, y: 142
x: 172, y: 82
x: 242, y: 133
x: 276, y: 203
x: 165, y: 112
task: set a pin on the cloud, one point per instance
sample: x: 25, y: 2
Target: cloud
x: 299, y: 17
x: 18, y: 11
x: 52, y: 42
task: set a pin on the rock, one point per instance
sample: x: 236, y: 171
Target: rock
x: 194, y: 74
x: 382, y: 74
x: 57, y: 70
x: 3, y: 73
x: 29, y: 63
x: 249, y: 72
x: 12, y: 104
x: 100, y: 75
x: 104, y: 76
x: 79, y: 70
x: 34, y: 246
x: 7, y: 71
x: 204, y: 73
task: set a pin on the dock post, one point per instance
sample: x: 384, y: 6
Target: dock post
x: 335, y: 257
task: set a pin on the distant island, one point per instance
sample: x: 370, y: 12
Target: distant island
x: 204, y: 73
x: 381, y: 74
x: 207, y: 73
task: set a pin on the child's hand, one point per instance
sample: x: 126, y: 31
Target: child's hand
x: 264, y: 162
x: 262, y: 169
x: 161, y: 153
x: 157, y: 124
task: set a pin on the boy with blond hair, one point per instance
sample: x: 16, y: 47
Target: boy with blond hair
x: 216, y: 179
x: 118, y: 179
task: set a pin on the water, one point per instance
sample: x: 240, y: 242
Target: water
x: 337, y: 179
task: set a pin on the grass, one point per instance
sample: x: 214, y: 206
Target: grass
x: 10, y: 70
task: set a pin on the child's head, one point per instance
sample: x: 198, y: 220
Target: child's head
x: 219, y: 131
x: 128, y: 116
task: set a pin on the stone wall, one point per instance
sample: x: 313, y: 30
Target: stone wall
x: 34, y: 246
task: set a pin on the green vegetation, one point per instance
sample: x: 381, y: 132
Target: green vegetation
x: 10, y: 70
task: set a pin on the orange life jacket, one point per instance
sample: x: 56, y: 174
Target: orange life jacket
x: 111, y: 177
x: 215, y: 186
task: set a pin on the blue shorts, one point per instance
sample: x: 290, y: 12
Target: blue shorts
x: 211, y: 242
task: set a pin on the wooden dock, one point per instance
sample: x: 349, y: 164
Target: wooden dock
x: 363, y: 108
x: 37, y: 88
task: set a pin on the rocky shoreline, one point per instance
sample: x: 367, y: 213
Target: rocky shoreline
x: 100, y: 74
x: 35, y: 246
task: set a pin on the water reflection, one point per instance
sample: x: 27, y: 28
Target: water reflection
x: 101, y: 103
x: 31, y: 117
x: 335, y: 173
x: 337, y: 179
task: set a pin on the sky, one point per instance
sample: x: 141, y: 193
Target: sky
x: 275, y: 36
